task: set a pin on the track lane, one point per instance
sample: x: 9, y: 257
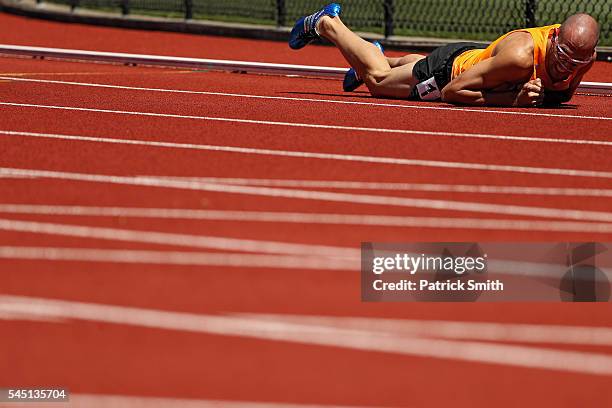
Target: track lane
x: 199, y: 289
x: 262, y: 367
x: 221, y: 193
x: 307, y: 89
x: 437, y: 148
x: 433, y: 115
x: 110, y: 158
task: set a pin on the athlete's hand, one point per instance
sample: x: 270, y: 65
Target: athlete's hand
x: 531, y: 94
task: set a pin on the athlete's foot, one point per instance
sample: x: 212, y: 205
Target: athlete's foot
x: 351, y: 78
x: 305, y: 29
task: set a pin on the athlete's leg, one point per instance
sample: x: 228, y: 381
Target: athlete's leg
x: 406, y: 59
x: 397, y: 83
x: 352, y: 81
x: 362, y: 55
x: 371, y: 65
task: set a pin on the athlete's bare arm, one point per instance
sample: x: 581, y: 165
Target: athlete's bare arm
x: 502, y: 80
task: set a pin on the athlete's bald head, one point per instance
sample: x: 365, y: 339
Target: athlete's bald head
x: 580, y: 33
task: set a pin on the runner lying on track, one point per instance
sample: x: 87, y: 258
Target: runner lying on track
x: 526, y: 67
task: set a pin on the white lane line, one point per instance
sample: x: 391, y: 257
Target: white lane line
x: 124, y: 401
x: 423, y: 203
x: 445, y: 188
x: 318, y: 126
x: 326, y: 156
x: 20, y: 316
x: 284, y: 98
x: 116, y: 401
x: 364, y: 340
x: 490, y: 331
x: 178, y: 258
x: 183, y: 240
x: 15, y: 177
x: 312, y: 218
x: 501, y: 267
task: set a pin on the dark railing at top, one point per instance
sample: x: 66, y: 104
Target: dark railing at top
x: 471, y: 19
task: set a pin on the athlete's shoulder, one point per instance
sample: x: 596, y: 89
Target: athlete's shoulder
x: 517, y: 48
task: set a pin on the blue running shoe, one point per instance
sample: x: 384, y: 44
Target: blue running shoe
x: 351, y: 79
x: 304, y: 30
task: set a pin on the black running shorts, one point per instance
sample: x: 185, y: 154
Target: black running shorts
x: 434, y: 71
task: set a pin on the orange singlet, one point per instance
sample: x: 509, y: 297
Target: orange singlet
x: 540, y: 37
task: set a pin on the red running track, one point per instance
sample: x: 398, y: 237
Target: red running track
x: 107, y: 257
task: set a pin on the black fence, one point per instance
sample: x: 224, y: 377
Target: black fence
x: 468, y: 19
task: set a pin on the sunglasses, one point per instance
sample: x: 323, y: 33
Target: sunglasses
x: 565, y: 60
